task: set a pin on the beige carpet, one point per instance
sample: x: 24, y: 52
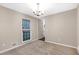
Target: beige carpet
x: 41, y: 48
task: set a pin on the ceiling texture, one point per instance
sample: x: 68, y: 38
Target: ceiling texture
x: 48, y: 8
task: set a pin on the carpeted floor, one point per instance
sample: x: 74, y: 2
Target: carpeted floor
x: 41, y: 48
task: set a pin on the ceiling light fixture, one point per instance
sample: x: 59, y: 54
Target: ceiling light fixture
x: 38, y: 11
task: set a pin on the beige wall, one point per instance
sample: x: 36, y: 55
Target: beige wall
x: 78, y: 28
x: 11, y: 28
x: 61, y: 28
x: 40, y: 29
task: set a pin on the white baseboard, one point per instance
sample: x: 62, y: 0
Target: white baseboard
x: 32, y: 41
x: 10, y: 48
x: 61, y: 44
x: 15, y: 47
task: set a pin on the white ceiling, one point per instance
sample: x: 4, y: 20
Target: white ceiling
x: 49, y: 8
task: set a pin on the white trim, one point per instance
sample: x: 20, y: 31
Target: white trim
x: 61, y: 44
x: 10, y: 48
x: 15, y: 46
x: 32, y: 41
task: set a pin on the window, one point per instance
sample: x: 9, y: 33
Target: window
x: 25, y: 24
x: 26, y: 29
x: 26, y: 35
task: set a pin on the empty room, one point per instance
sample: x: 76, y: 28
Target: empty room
x: 37, y: 28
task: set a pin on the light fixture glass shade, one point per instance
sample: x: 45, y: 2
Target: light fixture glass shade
x: 37, y: 11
